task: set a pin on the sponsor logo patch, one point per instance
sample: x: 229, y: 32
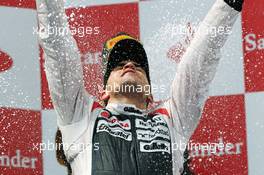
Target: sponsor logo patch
x: 150, y: 135
x: 113, y: 121
x: 155, y: 146
x: 116, y: 131
x: 149, y: 124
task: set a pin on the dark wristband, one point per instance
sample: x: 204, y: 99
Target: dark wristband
x: 236, y: 4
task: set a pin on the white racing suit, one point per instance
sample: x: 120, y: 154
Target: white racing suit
x: 120, y: 139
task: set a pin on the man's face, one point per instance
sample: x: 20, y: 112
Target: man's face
x: 128, y: 78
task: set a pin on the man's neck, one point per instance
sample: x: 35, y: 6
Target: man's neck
x: 138, y: 102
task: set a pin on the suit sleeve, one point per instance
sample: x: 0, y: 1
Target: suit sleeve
x: 62, y: 62
x: 198, y: 67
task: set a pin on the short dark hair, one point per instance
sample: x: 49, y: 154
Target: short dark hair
x: 60, y: 155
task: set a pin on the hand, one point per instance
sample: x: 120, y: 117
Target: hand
x: 236, y: 4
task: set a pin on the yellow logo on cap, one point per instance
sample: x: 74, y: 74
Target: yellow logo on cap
x: 111, y: 43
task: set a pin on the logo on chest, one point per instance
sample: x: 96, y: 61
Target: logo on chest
x: 115, y: 127
x: 153, y: 135
x: 155, y: 146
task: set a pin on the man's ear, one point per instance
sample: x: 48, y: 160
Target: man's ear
x: 104, y: 95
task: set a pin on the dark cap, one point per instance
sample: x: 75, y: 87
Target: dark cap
x: 120, y: 48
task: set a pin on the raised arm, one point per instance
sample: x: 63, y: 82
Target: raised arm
x: 198, y: 66
x: 62, y: 62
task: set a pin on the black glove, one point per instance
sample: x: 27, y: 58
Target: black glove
x: 236, y: 4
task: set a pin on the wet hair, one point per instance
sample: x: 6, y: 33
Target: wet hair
x: 60, y: 155
x: 186, y: 164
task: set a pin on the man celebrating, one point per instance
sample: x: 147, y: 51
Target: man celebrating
x: 124, y: 136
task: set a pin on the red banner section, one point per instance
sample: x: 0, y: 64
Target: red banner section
x: 19, y: 3
x: 253, y: 45
x: 20, y: 137
x: 91, y: 27
x: 46, y: 101
x: 6, y: 61
x: 219, y: 144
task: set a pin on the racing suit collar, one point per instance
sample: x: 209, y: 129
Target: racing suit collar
x: 129, y: 109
